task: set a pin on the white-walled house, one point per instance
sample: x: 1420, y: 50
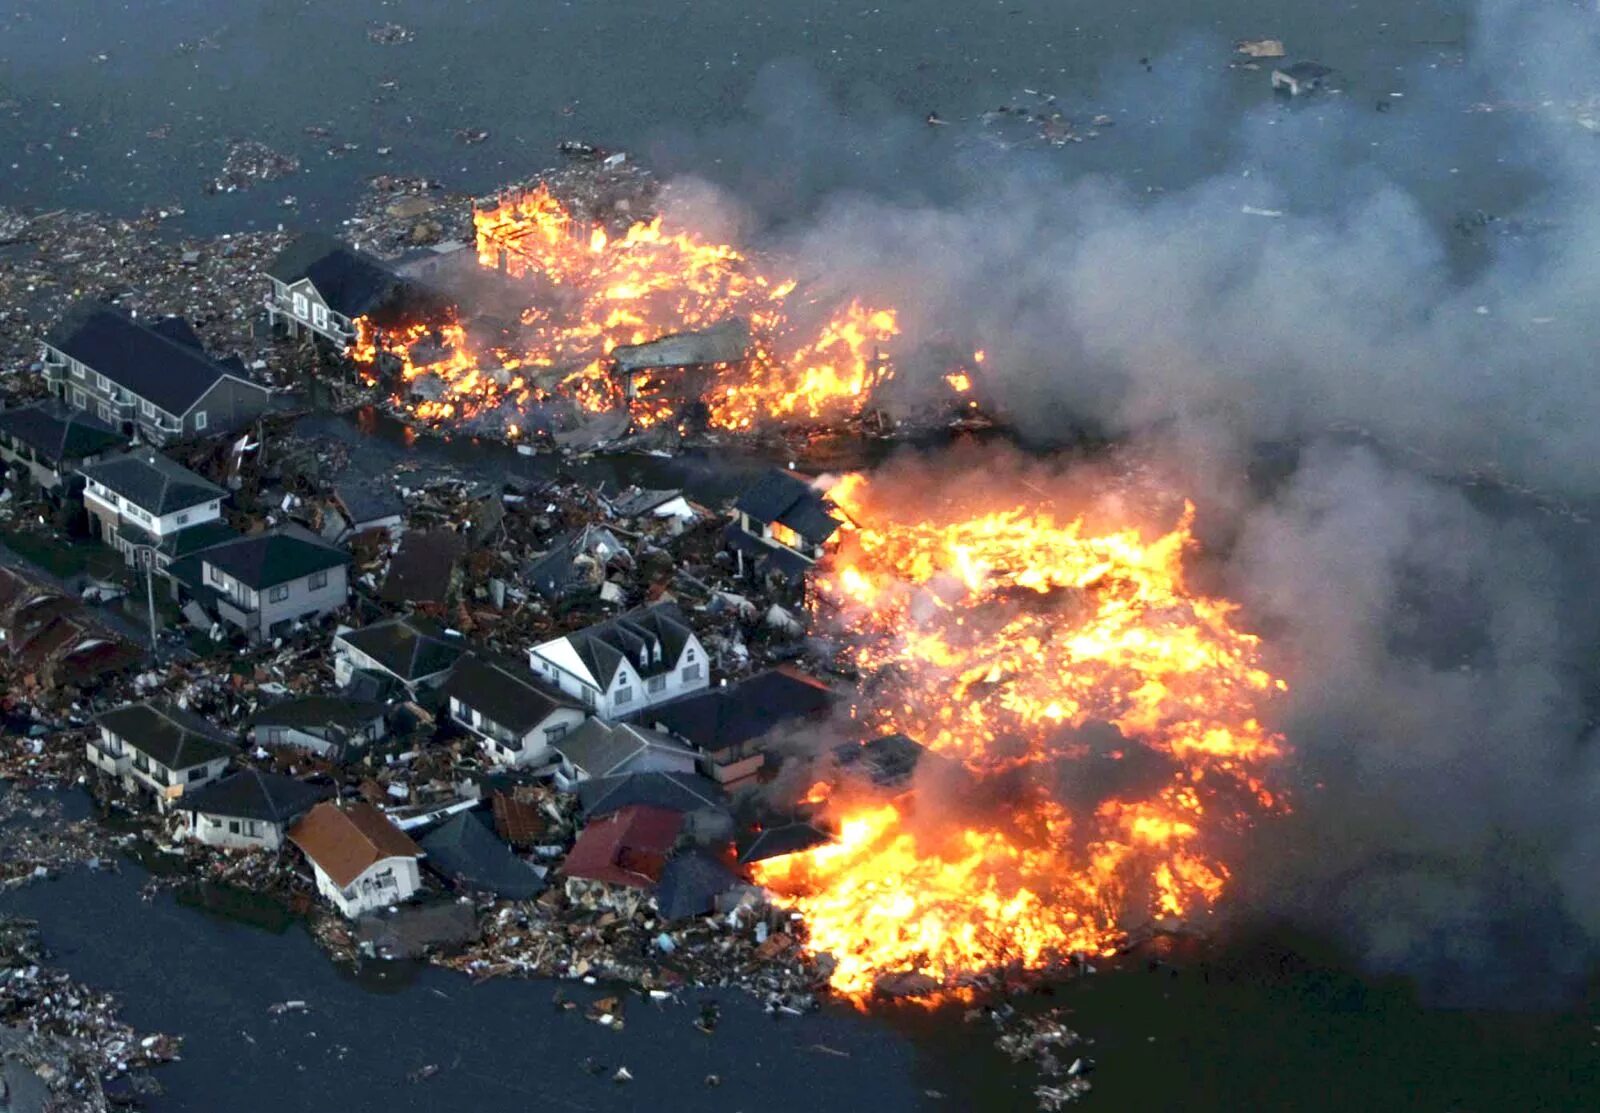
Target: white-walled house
x: 141, y: 498
x: 517, y: 716
x: 335, y: 727
x: 264, y: 583
x: 629, y: 663
x: 321, y: 286
x: 361, y: 861
x: 249, y: 809
x: 160, y: 747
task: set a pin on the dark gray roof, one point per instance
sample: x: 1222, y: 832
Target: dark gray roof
x: 411, y: 648
x: 368, y: 502
x: 638, y: 501
x: 139, y: 357
x: 168, y: 734
x: 780, y: 839
x: 152, y: 482
x: 727, y: 342
x: 351, y: 282
x: 603, y: 646
x: 888, y: 761
x: 505, y: 691
x: 466, y: 851
x: 721, y: 718
x: 790, y: 499
x: 556, y: 573
x: 1306, y: 71
x: 679, y: 792
x: 316, y: 711
x: 600, y: 748
x: 423, y: 568
x: 690, y: 884
x: 277, y: 557
x: 252, y: 794
x: 58, y: 433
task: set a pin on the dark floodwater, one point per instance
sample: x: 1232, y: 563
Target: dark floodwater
x: 122, y: 106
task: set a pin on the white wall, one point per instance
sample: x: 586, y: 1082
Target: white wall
x: 535, y: 743
x: 216, y: 830
x: 366, y: 893
x: 163, y: 526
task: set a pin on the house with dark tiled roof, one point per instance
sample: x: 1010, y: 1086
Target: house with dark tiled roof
x: 249, y: 809
x: 412, y: 652
x: 265, y: 583
x: 728, y: 725
x: 52, y: 441
x: 361, y: 860
x: 701, y: 801
x: 781, y: 526
x: 331, y: 726
x: 517, y: 715
x: 160, y: 747
x: 142, y: 500
x: 600, y: 749
x: 152, y: 377
x: 628, y: 663
x: 320, y: 286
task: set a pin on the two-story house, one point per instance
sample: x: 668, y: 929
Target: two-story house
x: 361, y: 861
x: 517, y: 715
x: 265, y: 583
x: 161, y: 747
x: 781, y: 526
x: 333, y: 726
x: 152, y: 378
x: 321, y: 286
x: 413, y: 653
x: 626, y: 664
x: 141, y: 499
x: 52, y: 441
x: 249, y: 809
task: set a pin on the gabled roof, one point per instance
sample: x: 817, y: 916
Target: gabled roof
x: 789, y: 499
x: 58, y: 433
x: 505, y: 692
x: 152, y: 482
x: 690, y: 884
x: 780, y: 839
x: 594, y: 652
x: 423, y: 569
x: 316, y: 711
x: 678, y: 792
x: 252, y: 794
x: 722, y: 718
x: 351, y: 282
x: 142, y: 358
x: 346, y: 842
x: 601, y: 749
x: 468, y: 853
x: 637, y: 501
x: 279, y: 556
x: 410, y: 648
x: 168, y: 734
x: 628, y: 847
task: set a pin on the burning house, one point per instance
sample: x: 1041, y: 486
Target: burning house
x: 321, y: 287
x: 782, y: 526
x: 680, y: 366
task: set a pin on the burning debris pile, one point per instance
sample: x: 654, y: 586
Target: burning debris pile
x: 1102, y: 717
x: 617, y: 307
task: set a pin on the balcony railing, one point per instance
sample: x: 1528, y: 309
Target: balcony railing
x: 236, y: 613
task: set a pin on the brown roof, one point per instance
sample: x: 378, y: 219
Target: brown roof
x: 346, y: 842
x: 520, y: 823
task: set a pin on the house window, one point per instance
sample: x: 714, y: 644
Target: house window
x: 78, y: 399
x: 105, y: 413
x: 275, y: 736
x: 278, y: 594
x: 691, y: 672
x: 147, y: 408
x: 198, y: 773
x: 319, y: 316
x: 317, y: 581
x: 555, y: 733
x: 252, y: 828
x: 199, y: 420
x: 302, y: 308
x: 77, y: 370
x: 655, y: 683
x: 233, y: 826
x: 216, y: 576
x: 102, y: 382
x: 182, y: 519
x: 624, y: 695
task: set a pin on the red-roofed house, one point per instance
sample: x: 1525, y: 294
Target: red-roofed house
x: 628, y: 848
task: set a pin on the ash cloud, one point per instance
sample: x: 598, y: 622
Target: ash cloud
x: 1439, y: 634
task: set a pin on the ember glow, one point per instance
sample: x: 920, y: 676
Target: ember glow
x: 991, y: 632
x: 590, y: 293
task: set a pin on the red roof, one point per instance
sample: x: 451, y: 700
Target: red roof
x: 628, y: 847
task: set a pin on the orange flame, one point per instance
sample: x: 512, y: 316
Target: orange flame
x: 990, y: 635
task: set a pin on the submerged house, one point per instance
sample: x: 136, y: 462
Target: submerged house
x: 627, y: 849
x: 627, y: 663
x: 518, y: 716
x: 335, y: 727
x: 412, y: 652
x: 265, y: 583
x: 601, y: 749
x: 361, y: 861
x: 152, y: 378
x: 729, y: 724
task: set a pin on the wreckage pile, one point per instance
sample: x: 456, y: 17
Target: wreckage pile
x: 61, y: 1042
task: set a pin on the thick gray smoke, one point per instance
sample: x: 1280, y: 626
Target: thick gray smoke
x: 1439, y: 634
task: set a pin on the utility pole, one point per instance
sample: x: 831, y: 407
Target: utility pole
x: 147, y: 555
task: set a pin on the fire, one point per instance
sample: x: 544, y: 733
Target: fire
x: 991, y: 633
x: 591, y: 292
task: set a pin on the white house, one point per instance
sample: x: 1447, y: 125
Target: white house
x: 626, y: 664
x: 265, y: 583
x: 249, y: 809
x: 517, y: 715
x: 141, y: 498
x: 413, y: 652
x: 320, y: 286
x: 164, y: 749
x: 361, y: 861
